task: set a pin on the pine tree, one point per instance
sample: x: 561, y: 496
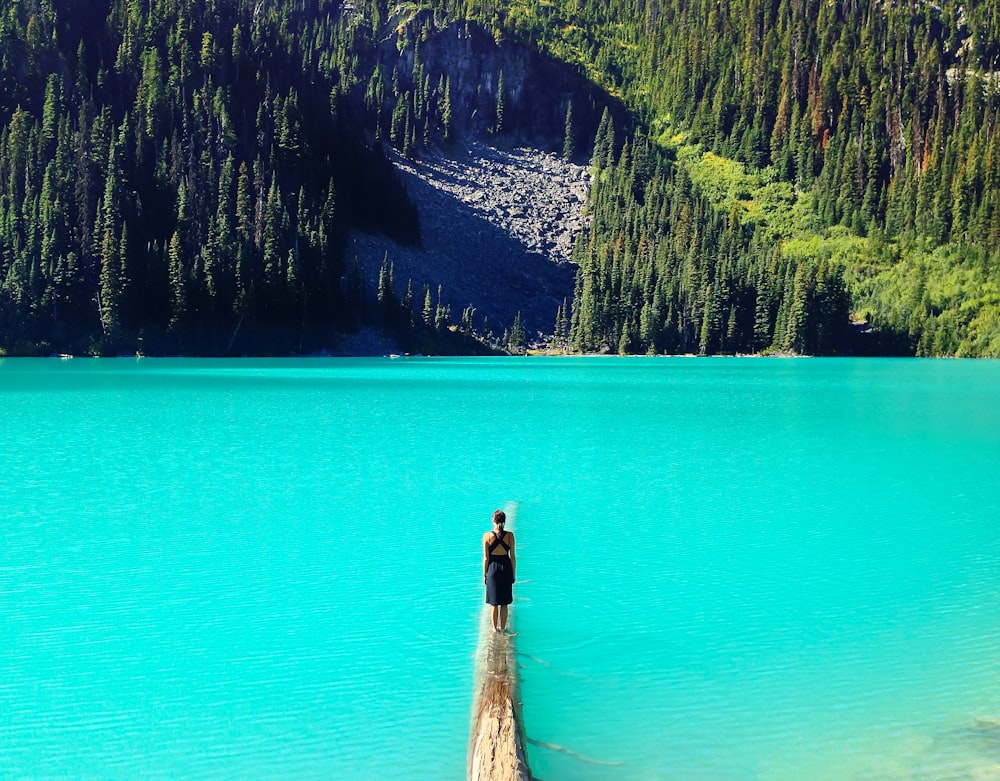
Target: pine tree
x: 569, y: 151
x: 446, y: 111
x: 178, y: 284
x: 516, y: 338
x: 798, y: 315
x: 603, y: 141
x: 111, y: 252
x: 428, y: 308
x: 498, y: 126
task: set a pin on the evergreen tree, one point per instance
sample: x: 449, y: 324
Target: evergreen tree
x: 568, y: 147
x: 498, y: 126
x: 446, y: 111
x: 516, y: 339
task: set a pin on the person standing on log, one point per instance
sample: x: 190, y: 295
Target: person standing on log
x: 499, y: 567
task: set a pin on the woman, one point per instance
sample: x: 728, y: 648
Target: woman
x: 499, y: 569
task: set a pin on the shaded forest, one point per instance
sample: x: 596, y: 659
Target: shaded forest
x: 171, y: 182
x: 179, y: 177
x: 794, y: 176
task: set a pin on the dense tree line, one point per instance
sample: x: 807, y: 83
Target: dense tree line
x: 885, y: 114
x: 179, y: 176
x: 662, y: 270
x: 890, y: 108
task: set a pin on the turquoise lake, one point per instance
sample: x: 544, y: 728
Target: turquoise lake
x: 727, y: 568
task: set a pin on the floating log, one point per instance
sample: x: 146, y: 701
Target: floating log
x: 496, y: 745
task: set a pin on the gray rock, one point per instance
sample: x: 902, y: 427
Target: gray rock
x: 497, y: 229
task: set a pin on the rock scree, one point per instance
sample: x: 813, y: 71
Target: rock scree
x: 497, y: 229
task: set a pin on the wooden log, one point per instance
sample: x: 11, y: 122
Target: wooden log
x: 496, y: 744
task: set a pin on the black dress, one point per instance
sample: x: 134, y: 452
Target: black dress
x: 499, y: 574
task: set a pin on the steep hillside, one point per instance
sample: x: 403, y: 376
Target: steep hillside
x: 180, y: 177
x: 497, y: 228
x: 226, y: 177
x: 854, y: 137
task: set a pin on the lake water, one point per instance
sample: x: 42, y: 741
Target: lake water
x: 728, y: 568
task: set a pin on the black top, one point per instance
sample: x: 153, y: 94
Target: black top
x: 499, y: 541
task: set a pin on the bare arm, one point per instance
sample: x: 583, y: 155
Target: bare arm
x: 486, y: 556
x: 513, y: 558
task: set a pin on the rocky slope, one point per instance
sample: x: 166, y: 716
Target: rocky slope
x: 497, y: 229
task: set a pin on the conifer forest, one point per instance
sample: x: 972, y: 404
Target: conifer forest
x: 792, y: 176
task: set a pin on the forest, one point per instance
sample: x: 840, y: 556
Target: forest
x: 793, y: 176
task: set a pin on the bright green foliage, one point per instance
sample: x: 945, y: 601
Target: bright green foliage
x: 882, y: 118
x: 664, y: 270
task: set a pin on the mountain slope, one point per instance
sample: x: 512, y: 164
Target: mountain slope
x: 809, y: 176
x: 180, y: 177
x: 856, y: 134
x: 497, y: 232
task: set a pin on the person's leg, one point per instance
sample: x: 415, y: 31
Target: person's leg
x: 503, y: 617
x: 495, y: 617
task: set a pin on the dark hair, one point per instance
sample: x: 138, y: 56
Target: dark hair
x: 499, y: 517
